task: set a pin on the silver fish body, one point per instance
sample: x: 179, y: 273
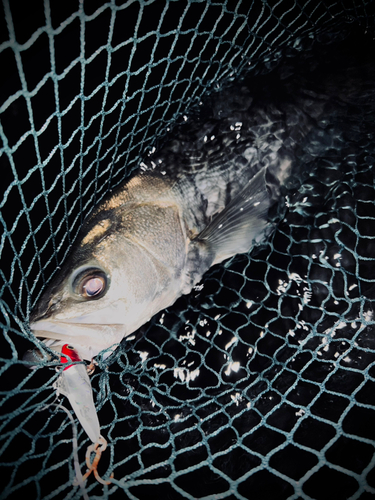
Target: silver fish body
x: 140, y: 248
x: 202, y: 198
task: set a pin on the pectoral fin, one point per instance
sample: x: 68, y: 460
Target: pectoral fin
x: 241, y: 223
x: 234, y: 230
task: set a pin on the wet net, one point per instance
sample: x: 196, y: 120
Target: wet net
x: 259, y: 384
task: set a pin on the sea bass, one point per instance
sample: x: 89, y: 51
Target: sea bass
x: 202, y: 198
x: 138, y: 252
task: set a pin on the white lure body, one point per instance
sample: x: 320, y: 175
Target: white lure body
x: 75, y: 384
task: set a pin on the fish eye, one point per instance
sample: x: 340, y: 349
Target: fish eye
x: 90, y: 283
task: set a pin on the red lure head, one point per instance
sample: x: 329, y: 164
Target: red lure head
x: 68, y: 350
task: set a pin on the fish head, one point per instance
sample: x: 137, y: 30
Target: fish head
x: 107, y: 288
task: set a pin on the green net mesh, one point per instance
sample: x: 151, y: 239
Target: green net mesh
x: 261, y: 382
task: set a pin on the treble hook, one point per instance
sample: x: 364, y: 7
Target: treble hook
x: 96, y: 448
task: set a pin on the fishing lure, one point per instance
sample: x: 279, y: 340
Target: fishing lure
x: 74, y: 383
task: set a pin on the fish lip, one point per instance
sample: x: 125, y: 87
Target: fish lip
x: 58, y: 330
x: 35, y: 325
x: 72, y: 332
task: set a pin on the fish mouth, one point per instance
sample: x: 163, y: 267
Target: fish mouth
x: 34, y: 356
x: 54, y: 329
x: 88, y: 338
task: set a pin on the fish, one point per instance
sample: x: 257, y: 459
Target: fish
x: 205, y: 195
x: 126, y: 268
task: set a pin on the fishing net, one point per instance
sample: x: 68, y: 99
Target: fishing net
x: 261, y: 382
